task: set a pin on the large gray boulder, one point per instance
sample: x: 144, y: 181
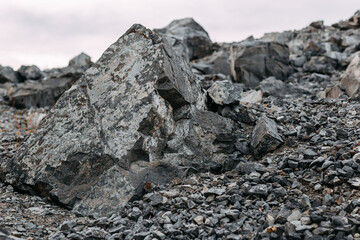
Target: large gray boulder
x: 351, y: 79
x: 254, y: 61
x: 136, y: 117
x: 188, y: 38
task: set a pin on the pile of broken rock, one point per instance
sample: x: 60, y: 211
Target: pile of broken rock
x: 171, y: 136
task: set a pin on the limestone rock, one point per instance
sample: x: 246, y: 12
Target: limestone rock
x: 254, y: 61
x: 265, y: 137
x: 136, y: 117
x: 351, y: 80
x: 188, y: 38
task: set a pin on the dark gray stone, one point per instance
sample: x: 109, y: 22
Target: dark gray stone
x: 188, y: 38
x: 259, y: 190
x: 81, y: 60
x: 7, y: 74
x: 30, y: 72
x: 265, y: 137
x: 251, y: 62
x: 321, y: 64
x: 36, y: 94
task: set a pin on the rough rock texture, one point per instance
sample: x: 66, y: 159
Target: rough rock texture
x: 80, y: 60
x: 35, y: 94
x: 217, y: 62
x: 272, y: 86
x: 351, y: 80
x: 134, y: 117
x: 30, y: 72
x: 254, y: 61
x: 225, y: 92
x: 351, y: 23
x: 45, y: 91
x: 7, y: 74
x: 321, y: 64
x: 187, y: 38
x: 265, y: 137
x: 309, y: 188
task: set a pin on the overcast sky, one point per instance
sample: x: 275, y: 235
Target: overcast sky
x: 48, y: 33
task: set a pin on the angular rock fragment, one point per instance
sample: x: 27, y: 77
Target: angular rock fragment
x: 317, y: 24
x: 351, y: 80
x: 351, y: 23
x: 30, y: 72
x: 333, y: 92
x: 354, y: 182
x: 265, y: 137
x: 136, y: 117
x: 217, y: 62
x: 188, y: 38
x: 321, y: 64
x: 259, y: 190
x: 238, y: 113
x: 225, y: 92
x: 80, y: 60
x: 254, y: 61
x: 251, y: 97
x: 272, y: 86
x: 35, y: 94
x: 7, y: 74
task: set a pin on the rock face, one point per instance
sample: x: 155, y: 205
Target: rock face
x: 265, y: 137
x: 136, y: 116
x: 187, y: 38
x: 351, y: 80
x: 254, y: 61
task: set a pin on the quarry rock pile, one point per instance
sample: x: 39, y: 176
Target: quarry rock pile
x: 172, y: 136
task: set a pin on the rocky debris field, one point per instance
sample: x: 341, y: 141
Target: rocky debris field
x: 171, y: 136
